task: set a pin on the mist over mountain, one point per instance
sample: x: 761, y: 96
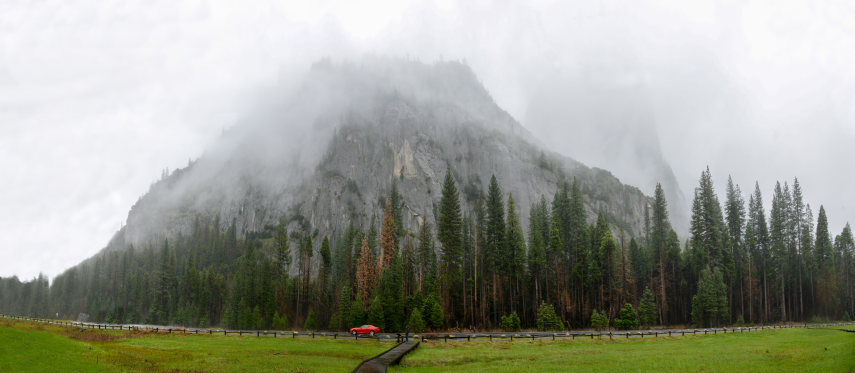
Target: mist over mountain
x: 373, y: 158
x: 604, y: 118
x: 327, y: 153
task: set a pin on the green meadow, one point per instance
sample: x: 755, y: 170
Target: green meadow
x: 30, y: 347
x: 34, y: 347
x: 781, y: 350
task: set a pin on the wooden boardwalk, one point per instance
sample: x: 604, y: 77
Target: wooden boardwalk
x: 380, y: 363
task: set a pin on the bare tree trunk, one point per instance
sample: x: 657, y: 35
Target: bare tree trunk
x: 801, y: 292
x: 663, y: 301
x: 750, y: 293
x: 783, y: 296
x: 765, y: 298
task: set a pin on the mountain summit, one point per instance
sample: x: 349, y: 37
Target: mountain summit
x: 326, y: 156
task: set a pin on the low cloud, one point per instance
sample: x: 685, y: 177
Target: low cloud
x: 95, y: 99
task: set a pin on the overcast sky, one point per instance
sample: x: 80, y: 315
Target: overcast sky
x: 98, y: 97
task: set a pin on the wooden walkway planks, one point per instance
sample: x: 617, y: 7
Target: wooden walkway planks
x: 380, y: 363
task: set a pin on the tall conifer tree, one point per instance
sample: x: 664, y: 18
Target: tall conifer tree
x: 450, y: 235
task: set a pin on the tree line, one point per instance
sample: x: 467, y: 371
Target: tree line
x: 478, y: 267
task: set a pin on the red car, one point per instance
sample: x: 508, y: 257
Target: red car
x: 365, y: 329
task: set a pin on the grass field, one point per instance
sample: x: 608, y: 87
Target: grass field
x: 784, y: 350
x: 27, y: 347
x: 33, y: 347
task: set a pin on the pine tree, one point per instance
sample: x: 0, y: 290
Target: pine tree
x: 779, y: 220
x: 283, y: 249
x: 390, y: 294
x: 799, y: 224
x: 397, y: 210
x: 433, y: 315
x: 826, y: 284
x: 577, y: 220
x: 547, y: 319
x: 311, y: 321
x: 708, y: 235
x: 627, y: 319
x: 599, y: 320
x: 660, y: 228
x: 735, y: 218
x: 608, y: 250
x: 823, y: 245
x: 538, y: 237
x: 372, y: 237
x: 366, y: 274
x: 324, y: 301
x: 756, y: 244
x: 494, y: 246
x: 426, y: 253
x: 845, y: 248
x: 388, y: 247
x: 450, y: 235
x: 280, y: 322
x: 709, y: 305
x: 648, y: 315
x: 511, y: 322
x: 515, y: 254
x: 377, y: 313
x: 416, y: 323
x: 303, y: 295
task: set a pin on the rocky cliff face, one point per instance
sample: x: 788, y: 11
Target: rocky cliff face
x: 328, y: 155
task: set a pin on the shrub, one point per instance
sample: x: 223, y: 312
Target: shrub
x: 511, y: 323
x: 648, y: 314
x: 547, y: 319
x: 311, y: 321
x: 376, y: 314
x: 280, y: 322
x: 599, y: 321
x: 433, y: 314
x: 416, y: 324
x: 627, y: 319
x: 846, y: 316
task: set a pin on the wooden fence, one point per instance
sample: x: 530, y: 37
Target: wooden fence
x: 430, y: 337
